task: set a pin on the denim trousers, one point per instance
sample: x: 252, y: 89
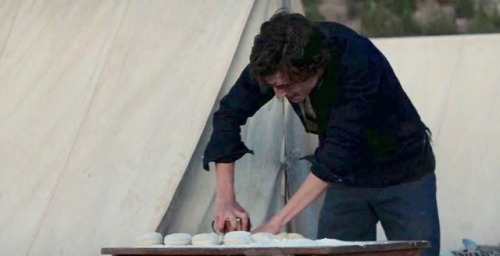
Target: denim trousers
x: 406, y: 211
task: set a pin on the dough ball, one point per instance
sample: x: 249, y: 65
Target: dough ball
x: 238, y: 237
x: 206, y: 239
x: 177, y: 239
x: 282, y: 235
x: 153, y: 238
x: 294, y: 236
x: 263, y: 237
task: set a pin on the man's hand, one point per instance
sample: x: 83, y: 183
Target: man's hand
x: 233, y: 212
x: 226, y: 207
x: 273, y: 227
x: 310, y: 189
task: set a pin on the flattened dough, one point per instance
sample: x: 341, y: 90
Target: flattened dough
x: 148, y: 239
x: 285, y: 235
x: 177, y: 239
x: 282, y: 235
x: 206, y: 239
x: 295, y: 236
x: 263, y: 237
x: 237, y: 238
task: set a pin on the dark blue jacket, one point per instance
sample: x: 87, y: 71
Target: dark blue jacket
x: 370, y: 134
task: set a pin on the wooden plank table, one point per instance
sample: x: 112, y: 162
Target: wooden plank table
x: 389, y: 248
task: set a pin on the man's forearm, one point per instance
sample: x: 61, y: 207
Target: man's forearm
x: 309, y: 191
x: 224, y: 173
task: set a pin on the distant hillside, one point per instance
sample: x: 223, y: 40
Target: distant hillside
x: 393, y: 18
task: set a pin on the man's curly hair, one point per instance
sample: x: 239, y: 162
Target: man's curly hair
x: 291, y: 43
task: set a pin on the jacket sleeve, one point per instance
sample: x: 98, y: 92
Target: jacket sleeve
x: 242, y: 102
x: 341, y: 145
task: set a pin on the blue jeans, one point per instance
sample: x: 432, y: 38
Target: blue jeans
x: 407, y: 212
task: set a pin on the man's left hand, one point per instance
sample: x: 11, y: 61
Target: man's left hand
x: 270, y: 227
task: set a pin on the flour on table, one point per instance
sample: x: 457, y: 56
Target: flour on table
x: 335, y: 242
x: 297, y: 242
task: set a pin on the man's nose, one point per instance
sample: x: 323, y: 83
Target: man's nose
x: 279, y: 92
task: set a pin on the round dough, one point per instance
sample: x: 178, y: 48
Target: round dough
x: 282, y: 235
x: 153, y: 238
x: 263, y: 237
x: 295, y: 236
x: 177, y: 239
x: 237, y: 238
x: 206, y: 239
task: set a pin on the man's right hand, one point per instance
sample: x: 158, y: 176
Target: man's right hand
x: 226, y: 206
x: 232, y: 211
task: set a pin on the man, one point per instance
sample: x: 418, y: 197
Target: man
x: 374, y: 157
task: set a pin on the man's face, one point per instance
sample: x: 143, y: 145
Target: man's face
x: 294, y: 91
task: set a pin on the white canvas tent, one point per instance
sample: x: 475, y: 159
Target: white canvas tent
x: 105, y: 106
x: 454, y: 82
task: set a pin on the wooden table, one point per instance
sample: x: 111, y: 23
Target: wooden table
x: 391, y: 248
